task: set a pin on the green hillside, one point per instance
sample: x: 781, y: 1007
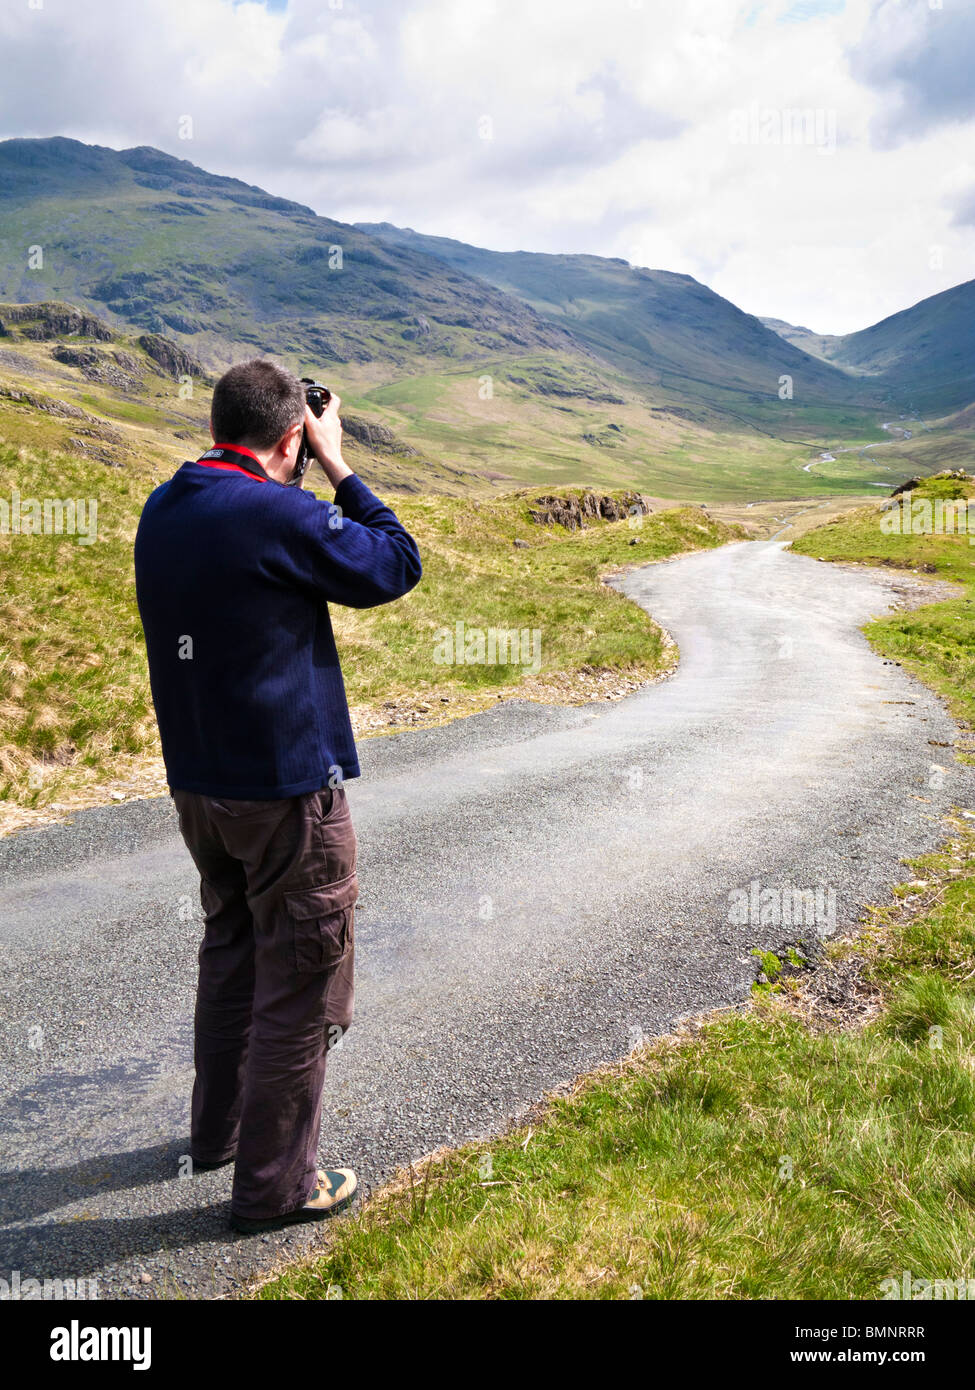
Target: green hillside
x: 922, y: 358
x: 156, y: 243
x: 480, y: 371
x: 666, y: 330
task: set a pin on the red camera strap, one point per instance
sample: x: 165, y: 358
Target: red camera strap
x: 237, y: 459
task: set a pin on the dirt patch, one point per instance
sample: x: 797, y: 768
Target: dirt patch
x: 910, y: 590
x: 836, y: 995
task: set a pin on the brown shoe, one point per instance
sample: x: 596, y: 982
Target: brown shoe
x: 336, y: 1190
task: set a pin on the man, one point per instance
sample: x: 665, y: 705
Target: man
x: 234, y: 573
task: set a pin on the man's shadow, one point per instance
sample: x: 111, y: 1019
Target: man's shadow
x: 77, y: 1245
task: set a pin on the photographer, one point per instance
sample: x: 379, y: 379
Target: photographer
x: 235, y: 567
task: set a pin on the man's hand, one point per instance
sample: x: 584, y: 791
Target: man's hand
x: 325, y: 440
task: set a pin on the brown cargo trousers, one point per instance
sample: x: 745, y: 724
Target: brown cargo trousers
x: 278, y: 886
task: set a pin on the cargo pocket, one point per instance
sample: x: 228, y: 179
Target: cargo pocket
x: 322, y: 922
x: 336, y: 835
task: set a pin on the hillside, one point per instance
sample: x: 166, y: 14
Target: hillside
x: 662, y: 328
x: 69, y: 381
x: 822, y: 345
x: 162, y: 245
x: 922, y: 358
x: 465, y: 370
x: 926, y: 354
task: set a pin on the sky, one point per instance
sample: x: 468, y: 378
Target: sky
x: 811, y: 160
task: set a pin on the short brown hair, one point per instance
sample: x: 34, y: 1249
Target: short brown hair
x: 256, y: 402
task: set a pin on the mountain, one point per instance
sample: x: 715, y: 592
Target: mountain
x: 159, y: 244
x: 501, y: 368
x: 925, y: 354
x: 162, y: 245
x: 660, y: 327
x: 816, y: 344
x: 922, y: 357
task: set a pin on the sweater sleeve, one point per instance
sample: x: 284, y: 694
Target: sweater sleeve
x: 356, y: 551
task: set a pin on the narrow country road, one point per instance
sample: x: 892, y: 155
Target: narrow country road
x: 540, y: 887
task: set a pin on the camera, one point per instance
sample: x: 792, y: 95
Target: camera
x: 318, y: 397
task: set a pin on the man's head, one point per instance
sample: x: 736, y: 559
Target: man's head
x: 260, y: 406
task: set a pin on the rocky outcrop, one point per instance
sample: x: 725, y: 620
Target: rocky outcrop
x: 174, y: 360
x: 419, y: 328
x: 48, y: 404
x: 375, y: 436
x: 575, y: 513
x: 97, y: 366
x: 957, y: 474
x: 42, y: 322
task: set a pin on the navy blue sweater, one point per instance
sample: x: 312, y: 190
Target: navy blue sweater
x: 234, y: 572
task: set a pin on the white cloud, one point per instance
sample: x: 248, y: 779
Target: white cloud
x: 560, y: 125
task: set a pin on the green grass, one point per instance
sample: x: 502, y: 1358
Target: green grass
x: 770, y: 1154
x: 74, y: 692
x: 73, y: 684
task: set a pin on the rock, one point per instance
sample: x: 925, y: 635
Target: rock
x: 522, y: 545
x: 420, y: 328
x: 574, y: 512
x: 96, y: 366
x: 94, y: 451
x: 48, y: 404
x: 375, y: 436
x: 52, y: 319
x: 174, y: 360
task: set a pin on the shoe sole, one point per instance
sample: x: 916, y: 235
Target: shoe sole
x: 299, y: 1216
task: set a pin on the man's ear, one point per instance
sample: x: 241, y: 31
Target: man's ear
x: 291, y: 441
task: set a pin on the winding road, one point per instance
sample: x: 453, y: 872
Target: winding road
x: 541, y: 887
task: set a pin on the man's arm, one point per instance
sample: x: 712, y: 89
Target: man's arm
x: 358, y: 552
